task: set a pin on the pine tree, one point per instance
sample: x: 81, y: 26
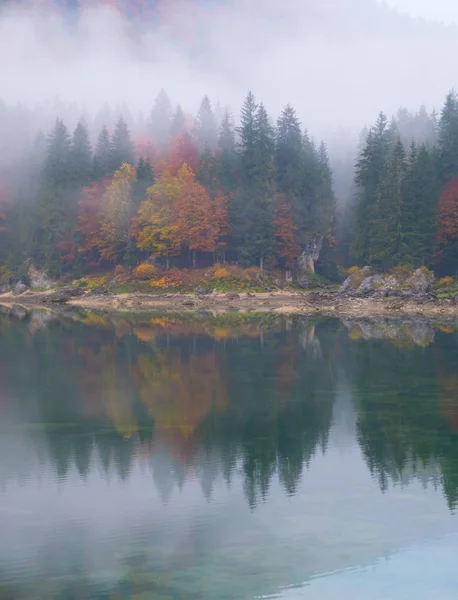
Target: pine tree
x: 122, y: 146
x: 160, y: 121
x: 103, y: 156
x: 81, y: 155
x: 206, y: 129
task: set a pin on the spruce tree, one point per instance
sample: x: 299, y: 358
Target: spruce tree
x: 123, y: 150
x: 178, y: 123
x: 56, y: 206
x: 448, y: 139
x: 81, y: 155
x: 103, y: 156
x: 226, y: 155
x: 369, y: 168
x: 289, y: 154
x: 247, y: 138
x: 418, y: 218
x: 144, y: 180
x: 206, y: 129
x: 256, y: 197
x: 160, y: 121
x: 386, y: 244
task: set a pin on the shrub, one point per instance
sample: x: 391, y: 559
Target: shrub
x: 353, y: 270
x: 119, y: 270
x: 144, y: 272
x: 445, y: 282
x: 221, y: 273
x: 403, y: 271
x: 92, y: 283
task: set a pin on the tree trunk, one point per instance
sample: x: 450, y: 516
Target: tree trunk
x: 193, y: 259
x: 261, y: 263
x: 224, y: 257
x: 167, y: 263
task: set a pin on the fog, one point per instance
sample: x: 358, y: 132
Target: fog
x: 339, y: 63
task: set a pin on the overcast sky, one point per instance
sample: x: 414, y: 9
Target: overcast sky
x: 442, y: 10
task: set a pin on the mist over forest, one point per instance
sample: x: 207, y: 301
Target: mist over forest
x: 138, y: 76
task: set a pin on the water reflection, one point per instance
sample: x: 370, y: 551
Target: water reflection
x: 114, y: 429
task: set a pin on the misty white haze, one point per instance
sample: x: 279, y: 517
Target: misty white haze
x: 339, y: 63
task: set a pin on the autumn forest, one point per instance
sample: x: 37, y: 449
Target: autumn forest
x: 194, y: 191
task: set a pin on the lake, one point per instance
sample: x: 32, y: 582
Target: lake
x: 227, y: 457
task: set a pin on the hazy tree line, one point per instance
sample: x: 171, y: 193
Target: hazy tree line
x: 254, y: 193
x: 192, y: 190
x: 405, y: 206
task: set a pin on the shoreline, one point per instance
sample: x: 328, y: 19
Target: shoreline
x: 281, y: 302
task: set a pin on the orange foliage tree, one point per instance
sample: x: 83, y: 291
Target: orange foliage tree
x: 197, y: 225
x: 448, y: 222
x: 285, y: 231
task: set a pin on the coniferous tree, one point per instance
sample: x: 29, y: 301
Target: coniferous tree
x: 418, y: 218
x: 258, y: 227
x: 206, y: 129
x: 53, y: 206
x: 103, y: 156
x: 144, y: 180
x: 81, y: 155
x: 160, y: 121
x: 178, y: 123
x: 448, y: 139
x: 369, y: 168
x: 386, y: 244
x: 289, y: 155
x: 226, y: 155
x: 122, y: 146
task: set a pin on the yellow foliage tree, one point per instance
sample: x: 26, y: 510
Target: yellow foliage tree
x: 156, y: 229
x: 117, y: 212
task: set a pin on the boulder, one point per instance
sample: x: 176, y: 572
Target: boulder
x: 39, y: 279
x: 421, y: 281
x: 19, y: 288
x: 354, y: 280
x: 232, y: 296
x: 188, y: 302
x: 371, y: 284
x: 72, y: 292
x: 204, y: 291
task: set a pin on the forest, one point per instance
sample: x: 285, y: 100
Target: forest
x: 188, y: 192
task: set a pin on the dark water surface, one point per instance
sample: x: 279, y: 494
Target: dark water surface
x: 227, y: 458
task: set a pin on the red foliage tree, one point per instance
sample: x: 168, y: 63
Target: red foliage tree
x: 285, y: 231
x: 181, y: 150
x: 197, y: 226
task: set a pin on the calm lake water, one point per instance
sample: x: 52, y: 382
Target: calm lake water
x: 225, y: 458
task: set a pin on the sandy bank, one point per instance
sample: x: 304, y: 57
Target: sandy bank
x: 282, y: 302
